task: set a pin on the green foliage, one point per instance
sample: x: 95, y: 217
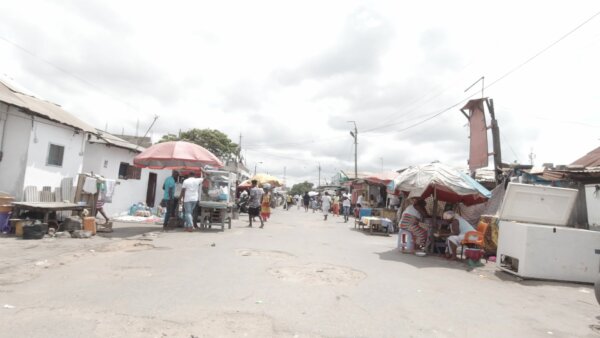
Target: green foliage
x: 214, y: 140
x: 301, y: 188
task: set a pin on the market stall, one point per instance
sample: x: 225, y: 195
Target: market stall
x: 435, y: 183
x: 375, y: 215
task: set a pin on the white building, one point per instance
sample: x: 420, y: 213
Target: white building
x: 112, y: 157
x: 40, y: 143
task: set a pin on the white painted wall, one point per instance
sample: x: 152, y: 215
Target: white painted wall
x: 592, y: 199
x: 127, y: 192
x: 44, y: 132
x: 15, y: 148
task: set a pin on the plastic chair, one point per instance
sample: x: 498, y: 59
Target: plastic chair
x: 474, y: 239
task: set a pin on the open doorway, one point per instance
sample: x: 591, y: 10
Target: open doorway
x: 151, y: 192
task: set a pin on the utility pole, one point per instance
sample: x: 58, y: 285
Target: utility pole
x: 495, y: 140
x: 531, y: 157
x: 319, y: 174
x: 355, y: 135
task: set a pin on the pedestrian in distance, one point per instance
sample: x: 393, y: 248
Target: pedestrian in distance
x: 326, y: 205
x: 306, y: 201
x: 265, y: 208
x: 335, y: 208
x: 346, y: 205
x: 254, y: 204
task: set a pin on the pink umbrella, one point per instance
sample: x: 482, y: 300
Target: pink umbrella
x: 176, y: 155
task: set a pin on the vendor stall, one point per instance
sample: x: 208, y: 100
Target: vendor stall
x: 217, y: 199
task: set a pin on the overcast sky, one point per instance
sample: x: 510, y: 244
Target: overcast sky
x: 288, y: 76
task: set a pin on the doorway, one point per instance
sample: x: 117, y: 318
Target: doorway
x: 151, y: 192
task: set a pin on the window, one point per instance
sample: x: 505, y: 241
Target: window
x: 55, y: 155
x: 129, y: 172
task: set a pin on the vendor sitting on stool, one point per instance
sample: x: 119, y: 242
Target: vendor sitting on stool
x: 410, y: 219
x: 458, y: 227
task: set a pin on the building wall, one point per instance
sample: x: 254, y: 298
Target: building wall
x: 38, y: 172
x: 104, y: 160
x: 16, y: 127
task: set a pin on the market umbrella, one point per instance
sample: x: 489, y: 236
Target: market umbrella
x: 450, y: 185
x: 263, y: 179
x: 176, y: 155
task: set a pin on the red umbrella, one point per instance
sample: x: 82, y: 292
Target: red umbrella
x: 176, y: 155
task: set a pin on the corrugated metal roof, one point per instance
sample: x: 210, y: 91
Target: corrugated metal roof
x: 591, y: 159
x: 110, y: 139
x: 42, y: 108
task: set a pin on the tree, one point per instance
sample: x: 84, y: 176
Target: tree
x: 213, y: 140
x: 301, y: 188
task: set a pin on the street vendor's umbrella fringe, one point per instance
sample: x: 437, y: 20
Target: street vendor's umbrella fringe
x: 176, y: 155
x: 450, y: 184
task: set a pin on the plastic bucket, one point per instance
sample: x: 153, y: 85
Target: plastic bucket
x: 89, y: 224
x: 4, y: 225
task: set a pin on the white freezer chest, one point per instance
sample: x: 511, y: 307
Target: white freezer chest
x: 533, y: 241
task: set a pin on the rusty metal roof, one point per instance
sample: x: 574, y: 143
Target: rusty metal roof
x: 591, y: 159
x: 103, y: 137
x: 33, y: 105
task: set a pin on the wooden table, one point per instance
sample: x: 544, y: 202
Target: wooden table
x: 45, y: 207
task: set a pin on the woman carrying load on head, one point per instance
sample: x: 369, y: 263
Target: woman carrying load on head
x: 265, y: 206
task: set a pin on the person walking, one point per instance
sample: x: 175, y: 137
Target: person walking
x: 265, y: 209
x: 346, y: 205
x: 335, y: 208
x: 190, y: 196
x: 326, y: 205
x: 254, y: 202
x: 306, y: 200
x: 169, y: 196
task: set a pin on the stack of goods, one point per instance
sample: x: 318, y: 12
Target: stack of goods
x: 490, y: 238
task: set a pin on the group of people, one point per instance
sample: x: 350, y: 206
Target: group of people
x: 413, y: 220
x: 329, y: 204
x: 259, y: 203
x: 188, y: 198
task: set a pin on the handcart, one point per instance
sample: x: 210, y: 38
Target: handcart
x: 215, y: 214
x: 216, y: 203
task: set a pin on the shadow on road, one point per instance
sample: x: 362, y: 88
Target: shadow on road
x: 367, y: 233
x: 130, y: 230
x: 429, y: 261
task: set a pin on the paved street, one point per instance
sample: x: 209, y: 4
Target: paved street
x: 298, y: 277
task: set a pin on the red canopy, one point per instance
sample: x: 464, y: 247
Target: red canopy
x: 176, y: 155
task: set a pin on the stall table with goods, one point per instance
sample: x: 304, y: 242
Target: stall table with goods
x: 217, y: 202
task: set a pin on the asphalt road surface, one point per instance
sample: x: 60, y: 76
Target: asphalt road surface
x: 300, y: 276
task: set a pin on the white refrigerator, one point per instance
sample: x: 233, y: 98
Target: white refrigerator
x: 534, y: 242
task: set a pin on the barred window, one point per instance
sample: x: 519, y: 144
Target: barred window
x: 55, y: 155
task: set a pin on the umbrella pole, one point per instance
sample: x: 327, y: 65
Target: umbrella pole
x: 433, y: 221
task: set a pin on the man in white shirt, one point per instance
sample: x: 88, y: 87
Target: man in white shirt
x: 190, y: 194
x: 326, y: 205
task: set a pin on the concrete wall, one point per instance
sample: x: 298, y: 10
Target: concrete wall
x: 16, y: 127
x: 38, y: 172
x: 104, y: 160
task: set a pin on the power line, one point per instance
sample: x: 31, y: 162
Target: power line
x: 75, y: 76
x: 543, y: 50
